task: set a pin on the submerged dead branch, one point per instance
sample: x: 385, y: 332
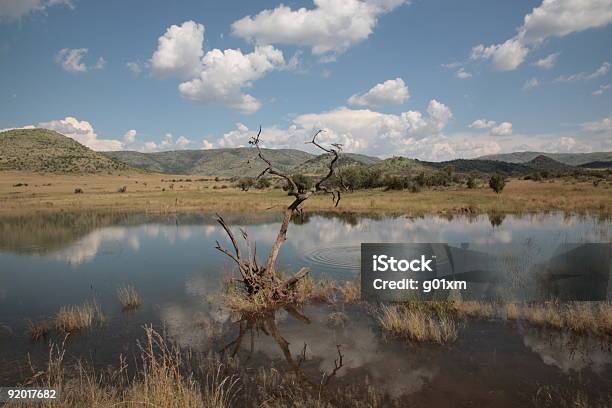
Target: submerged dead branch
x: 266, y: 323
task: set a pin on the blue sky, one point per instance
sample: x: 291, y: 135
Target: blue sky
x: 429, y: 79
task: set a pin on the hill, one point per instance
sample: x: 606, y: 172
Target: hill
x: 543, y: 163
x: 401, y: 166
x: 597, y: 165
x: 572, y: 159
x: 483, y: 166
x: 319, y: 164
x: 42, y: 150
x: 241, y: 161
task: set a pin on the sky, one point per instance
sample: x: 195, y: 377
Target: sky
x: 427, y: 79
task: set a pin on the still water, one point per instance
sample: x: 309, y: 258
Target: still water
x: 47, y: 261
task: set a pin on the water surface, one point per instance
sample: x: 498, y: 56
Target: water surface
x: 54, y: 260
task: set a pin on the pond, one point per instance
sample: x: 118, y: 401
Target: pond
x: 47, y: 261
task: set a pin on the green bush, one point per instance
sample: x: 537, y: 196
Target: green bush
x: 263, y: 183
x: 397, y: 182
x: 471, y: 182
x: 302, y: 182
x: 245, y: 183
x: 497, y: 183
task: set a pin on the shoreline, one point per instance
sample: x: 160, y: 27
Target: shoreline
x: 27, y: 193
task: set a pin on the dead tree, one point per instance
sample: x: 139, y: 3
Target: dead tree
x: 255, y: 277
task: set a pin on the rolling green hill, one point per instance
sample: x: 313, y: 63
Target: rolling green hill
x: 43, y: 150
x: 483, y: 166
x: 319, y: 164
x: 402, y: 166
x: 572, y: 159
x: 240, y: 161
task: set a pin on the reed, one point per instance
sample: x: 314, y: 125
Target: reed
x: 74, y: 318
x: 38, y: 330
x: 129, y: 297
x: 417, y: 324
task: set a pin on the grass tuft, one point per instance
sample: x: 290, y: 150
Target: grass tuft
x: 38, y: 330
x: 129, y: 297
x: 417, y: 324
x: 74, y: 318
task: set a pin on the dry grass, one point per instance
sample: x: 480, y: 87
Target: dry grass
x: 350, y: 291
x: 578, y: 317
x: 417, y: 324
x: 52, y: 192
x: 74, y: 318
x: 550, y: 397
x: 129, y: 297
x: 163, y: 379
x: 237, y: 301
x: 38, y: 330
x: 307, y: 290
x: 483, y: 310
x: 511, y: 311
x: 328, y: 291
x: 163, y: 376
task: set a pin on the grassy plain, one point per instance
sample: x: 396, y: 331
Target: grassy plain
x: 25, y: 192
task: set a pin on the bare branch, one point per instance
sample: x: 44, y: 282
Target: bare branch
x: 255, y: 141
x: 338, y: 364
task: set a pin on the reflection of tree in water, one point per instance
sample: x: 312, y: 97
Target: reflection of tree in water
x: 496, y: 219
x: 250, y: 325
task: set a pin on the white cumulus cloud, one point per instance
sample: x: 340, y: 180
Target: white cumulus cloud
x: 130, y: 136
x: 601, y: 90
x: 547, y: 62
x: 81, y: 131
x: 390, y: 92
x: 553, y: 18
x: 495, y: 129
x: 358, y: 130
x: 531, y: 83
x: 16, y: 9
x: 225, y: 73
x: 462, y: 74
x: 332, y: 26
x: 506, y: 56
x: 603, y: 125
x: 71, y: 60
x: 179, y: 51
x: 217, y: 76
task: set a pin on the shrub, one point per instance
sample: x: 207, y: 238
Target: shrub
x: 122, y: 189
x: 352, y: 177
x: 78, y: 191
x: 471, y: 182
x: 420, y: 179
x: 263, y: 183
x: 302, y: 182
x: 396, y: 182
x: 497, y: 183
x: 245, y: 183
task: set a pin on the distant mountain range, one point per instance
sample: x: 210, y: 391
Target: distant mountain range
x: 43, y: 150
x: 241, y: 161
x: 573, y: 159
